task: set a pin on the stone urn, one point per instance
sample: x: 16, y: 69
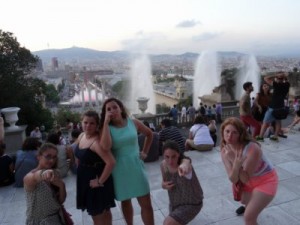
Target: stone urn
x: 142, y: 102
x: 11, y: 116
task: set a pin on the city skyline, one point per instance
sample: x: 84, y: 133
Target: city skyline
x: 156, y: 27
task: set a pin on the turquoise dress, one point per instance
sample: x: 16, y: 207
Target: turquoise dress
x: 129, y: 175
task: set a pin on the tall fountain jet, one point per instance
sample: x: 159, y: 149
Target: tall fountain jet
x: 249, y: 71
x: 206, y: 77
x: 141, y: 85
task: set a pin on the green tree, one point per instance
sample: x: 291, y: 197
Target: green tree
x: 52, y: 94
x: 64, y: 114
x: 185, y: 102
x: 121, y: 88
x: 17, y: 87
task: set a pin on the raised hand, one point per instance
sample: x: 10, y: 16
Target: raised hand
x: 239, y: 158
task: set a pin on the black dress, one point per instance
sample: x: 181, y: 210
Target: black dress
x: 94, y: 200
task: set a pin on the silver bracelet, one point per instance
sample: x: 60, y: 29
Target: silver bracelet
x: 100, y: 184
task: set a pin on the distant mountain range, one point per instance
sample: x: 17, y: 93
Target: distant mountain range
x: 84, y: 54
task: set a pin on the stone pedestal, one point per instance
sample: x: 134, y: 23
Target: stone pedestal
x: 142, y: 102
x: 14, y: 135
x: 11, y: 116
x: 14, y: 138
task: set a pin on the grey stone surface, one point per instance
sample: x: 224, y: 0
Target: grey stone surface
x: 219, y: 206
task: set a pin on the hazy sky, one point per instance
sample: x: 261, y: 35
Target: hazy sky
x: 155, y: 26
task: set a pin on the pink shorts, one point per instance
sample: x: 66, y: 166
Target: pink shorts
x: 266, y: 183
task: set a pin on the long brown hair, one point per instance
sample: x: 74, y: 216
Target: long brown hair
x: 244, y: 138
x: 124, y: 113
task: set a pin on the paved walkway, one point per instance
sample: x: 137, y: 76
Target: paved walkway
x: 219, y: 206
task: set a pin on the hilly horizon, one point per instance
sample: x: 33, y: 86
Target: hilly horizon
x: 83, y: 54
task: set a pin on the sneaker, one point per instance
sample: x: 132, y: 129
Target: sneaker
x: 282, y: 135
x: 240, y: 210
x: 258, y: 138
x: 273, y: 138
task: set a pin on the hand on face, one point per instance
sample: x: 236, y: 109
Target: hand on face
x: 108, y: 116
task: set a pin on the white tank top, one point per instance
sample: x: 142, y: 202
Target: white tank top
x: 264, y: 165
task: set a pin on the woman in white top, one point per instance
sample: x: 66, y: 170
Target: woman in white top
x: 65, y: 155
x: 199, y: 136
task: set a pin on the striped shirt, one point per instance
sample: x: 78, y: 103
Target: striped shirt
x: 172, y: 133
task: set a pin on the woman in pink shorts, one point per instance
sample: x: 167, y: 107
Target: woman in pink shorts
x: 244, y: 161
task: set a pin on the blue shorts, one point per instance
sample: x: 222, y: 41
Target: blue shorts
x: 269, y: 118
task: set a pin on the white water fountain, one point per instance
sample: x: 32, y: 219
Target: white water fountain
x: 206, y: 77
x: 248, y: 71
x: 141, y: 84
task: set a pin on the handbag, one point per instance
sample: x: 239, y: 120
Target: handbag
x: 237, y: 190
x: 257, y: 115
x: 66, y: 216
x: 281, y: 113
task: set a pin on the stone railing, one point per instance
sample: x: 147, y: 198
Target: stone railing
x: 228, y: 111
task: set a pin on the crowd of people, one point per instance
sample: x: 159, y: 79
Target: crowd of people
x: 108, y: 157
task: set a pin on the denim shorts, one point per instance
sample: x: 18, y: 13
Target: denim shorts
x: 269, y: 118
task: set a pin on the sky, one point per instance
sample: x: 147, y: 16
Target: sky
x: 260, y: 27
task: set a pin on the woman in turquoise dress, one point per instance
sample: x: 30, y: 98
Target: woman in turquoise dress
x: 120, y: 134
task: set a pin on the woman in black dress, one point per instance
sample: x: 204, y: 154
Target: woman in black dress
x: 95, y: 192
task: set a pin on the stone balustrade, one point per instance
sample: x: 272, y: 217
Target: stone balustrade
x: 228, y: 111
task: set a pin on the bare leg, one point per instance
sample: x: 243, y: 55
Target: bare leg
x: 257, y: 202
x: 170, y: 221
x: 277, y: 127
x: 146, y: 209
x: 103, y: 219
x: 127, y: 210
x: 263, y: 129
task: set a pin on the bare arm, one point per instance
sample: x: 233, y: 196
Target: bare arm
x: 58, y: 182
x: 243, y: 103
x: 191, y: 136
x: 185, y: 167
x: 141, y: 128
x: 231, y: 163
x: 110, y: 162
x: 269, y: 79
x: 250, y: 164
x: 165, y: 184
x: 255, y: 102
x: 105, y: 137
x: 70, y: 155
x: 37, y: 176
x: 296, y: 121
